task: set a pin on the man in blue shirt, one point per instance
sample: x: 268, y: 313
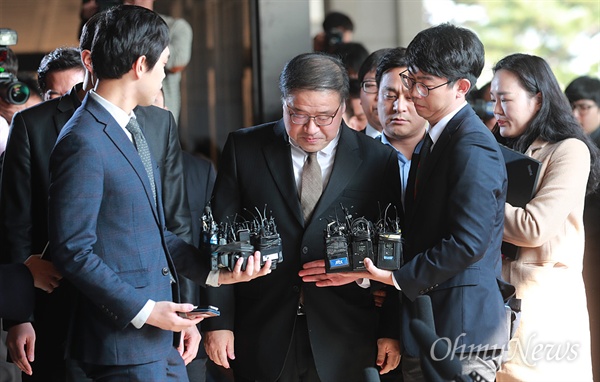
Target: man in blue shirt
x: 403, y: 128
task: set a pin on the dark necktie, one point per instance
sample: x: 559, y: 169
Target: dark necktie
x: 423, y: 154
x: 312, y: 185
x: 142, y: 148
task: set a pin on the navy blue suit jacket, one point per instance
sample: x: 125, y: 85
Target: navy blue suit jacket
x: 109, y: 239
x: 453, y: 232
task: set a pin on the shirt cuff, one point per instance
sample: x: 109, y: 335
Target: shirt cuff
x: 364, y: 283
x: 140, y: 319
x: 213, y: 279
x: 395, y: 282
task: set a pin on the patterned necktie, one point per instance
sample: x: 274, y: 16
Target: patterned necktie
x: 312, y: 185
x: 142, y: 147
x: 424, y: 153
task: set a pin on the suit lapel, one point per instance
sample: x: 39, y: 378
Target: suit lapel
x: 279, y: 161
x: 66, y: 106
x: 440, y: 145
x: 116, y: 134
x: 347, y: 160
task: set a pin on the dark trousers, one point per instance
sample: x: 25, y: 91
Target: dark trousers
x: 170, y: 369
x: 299, y: 364
x: 485, y: 364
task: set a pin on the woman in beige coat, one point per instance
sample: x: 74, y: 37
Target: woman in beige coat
x: 552, y: 342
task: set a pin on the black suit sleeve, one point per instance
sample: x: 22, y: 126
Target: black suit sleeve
x: 177, y: 211
x: 16, y: 292
x: 16, y: 224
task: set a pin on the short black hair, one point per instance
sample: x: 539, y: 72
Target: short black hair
x: 124, y: 34
x: 337, y: 20
x: 584, y: 87
x: 314, y: 71
x: 63, y: 58
x: 394, y: 58
x: 88, y: 31
x: 371, y: 62
x: 447, y: 51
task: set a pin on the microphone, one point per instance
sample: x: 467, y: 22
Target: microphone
x: 429, y: 372
x: 371, y: 375
x: 424, y: 311
x: 445, y: 364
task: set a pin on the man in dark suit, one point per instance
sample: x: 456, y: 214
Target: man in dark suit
x: 454, y: 209
x: 108, y: 235
x: 287, y: 330
x: 23, y: 207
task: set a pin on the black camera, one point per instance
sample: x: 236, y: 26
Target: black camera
x: 229, y: 241
x: 349, y: 241
x: 11, y: 89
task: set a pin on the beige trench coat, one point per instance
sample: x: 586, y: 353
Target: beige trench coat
x: 552, y: 342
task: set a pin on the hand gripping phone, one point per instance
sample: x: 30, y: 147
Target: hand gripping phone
x: 201, y: 311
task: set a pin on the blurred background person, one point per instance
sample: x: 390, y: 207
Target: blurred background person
x: 354, y: 116
x: 337, y: 28
x: 584, y: 95
x: 352, y: 55
x: 535, y: 116
x: 480, y: 100
x: 180, y: 48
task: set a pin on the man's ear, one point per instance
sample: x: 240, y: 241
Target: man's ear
x: 86, y: 59
x: 140, y: 66
x: 463, y: 86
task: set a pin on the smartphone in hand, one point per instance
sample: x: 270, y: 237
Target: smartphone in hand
x: 201, y: 311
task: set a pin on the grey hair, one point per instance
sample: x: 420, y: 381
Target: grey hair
x: 314, y: 71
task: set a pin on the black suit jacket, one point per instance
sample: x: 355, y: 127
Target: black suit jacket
x: 16, y: 292
x: 453, y: 232
x: 256, y: 170
x: 24, y: 199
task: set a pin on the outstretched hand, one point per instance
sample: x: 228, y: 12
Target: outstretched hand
x: 314, y: 271
x: 253, y: 270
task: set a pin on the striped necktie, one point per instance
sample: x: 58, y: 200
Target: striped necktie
x: 312, y: 185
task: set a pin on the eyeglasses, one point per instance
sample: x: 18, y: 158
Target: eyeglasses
x: 369, y: 86
x: 320, y: 120
x: 582, y: 108
x: 422, y: 89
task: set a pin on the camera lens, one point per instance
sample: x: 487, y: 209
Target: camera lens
x: 18, y: 93
x: 14, y: 92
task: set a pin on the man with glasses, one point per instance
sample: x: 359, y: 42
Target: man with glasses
x: 368, y: 92
x: 303, y: 168
x: 455, y: 211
